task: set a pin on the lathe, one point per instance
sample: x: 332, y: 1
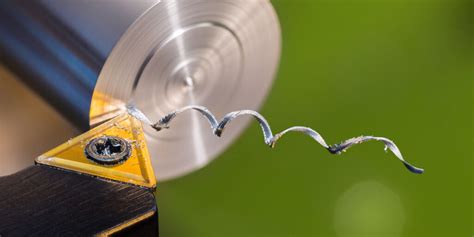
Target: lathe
x: 123, y: 72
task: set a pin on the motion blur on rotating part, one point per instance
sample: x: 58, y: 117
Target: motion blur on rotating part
x: 220, y: 54
x: 90, y: 59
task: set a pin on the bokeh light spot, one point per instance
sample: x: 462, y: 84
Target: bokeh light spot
x: 368, y: 209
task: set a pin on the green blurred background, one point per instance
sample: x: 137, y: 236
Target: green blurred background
x: 400, y: 69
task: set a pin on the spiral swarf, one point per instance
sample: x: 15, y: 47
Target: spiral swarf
x: 270, y: 139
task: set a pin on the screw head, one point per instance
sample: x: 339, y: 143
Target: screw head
x: 108, y: 150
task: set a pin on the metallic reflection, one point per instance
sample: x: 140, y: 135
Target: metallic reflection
x: 224, y: 54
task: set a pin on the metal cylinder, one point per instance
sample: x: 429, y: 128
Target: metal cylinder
x: 58, y: 47
x: 91, y: 58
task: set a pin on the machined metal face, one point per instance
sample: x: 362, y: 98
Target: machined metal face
x: 219, y: 54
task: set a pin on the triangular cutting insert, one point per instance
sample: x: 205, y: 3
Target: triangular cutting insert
x: 114, y: 150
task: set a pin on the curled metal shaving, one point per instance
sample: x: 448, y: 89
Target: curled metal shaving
x: 132, y: 110
x: 389, y: 144
x: 270, y: 139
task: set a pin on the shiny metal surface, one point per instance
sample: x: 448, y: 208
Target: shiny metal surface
x: 218, y: 128
x: 58, y: 47
x: 99, y: 23
x: 49, y: 57
x: 219, y: 54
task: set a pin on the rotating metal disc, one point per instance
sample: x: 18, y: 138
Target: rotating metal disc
x: 219, y: 54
